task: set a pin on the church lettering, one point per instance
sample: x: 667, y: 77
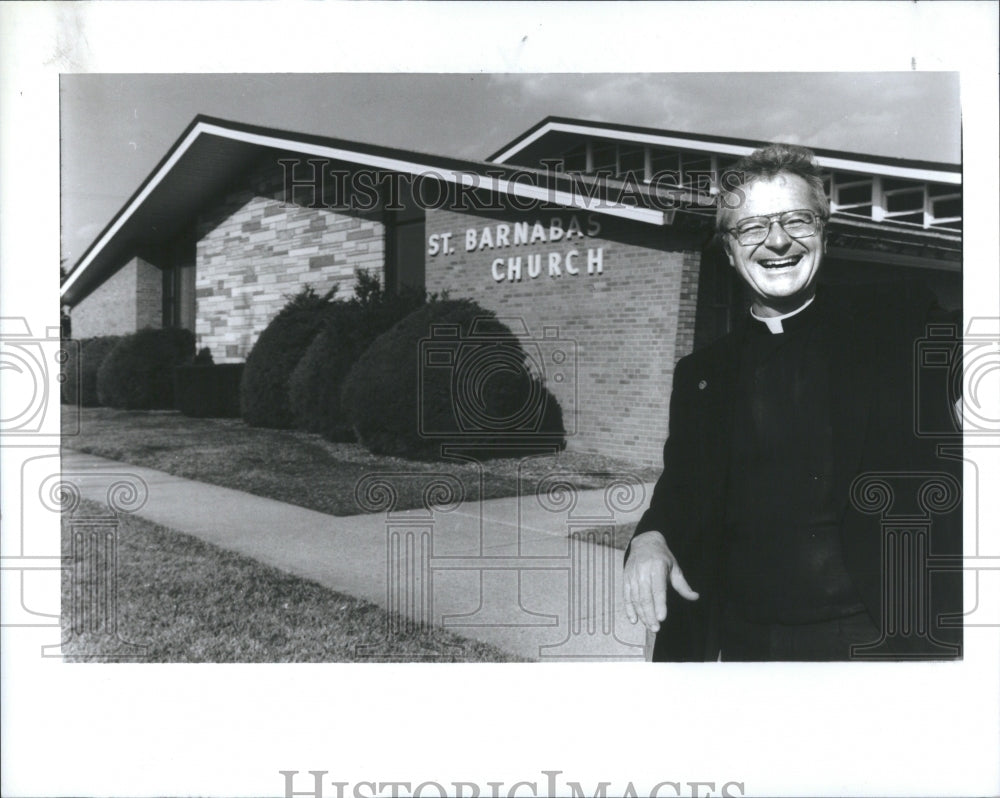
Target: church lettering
x: 568, y: 260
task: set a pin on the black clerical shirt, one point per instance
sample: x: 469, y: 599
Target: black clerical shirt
x: 784, y: 560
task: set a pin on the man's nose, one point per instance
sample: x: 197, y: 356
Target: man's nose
x: 777, y: 239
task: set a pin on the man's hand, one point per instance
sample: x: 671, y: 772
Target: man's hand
x: 650, y: 565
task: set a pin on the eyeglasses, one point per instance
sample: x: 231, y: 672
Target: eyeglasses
x: 796, y: 224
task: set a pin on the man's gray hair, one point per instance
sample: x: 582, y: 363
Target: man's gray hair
x: 765, y: 163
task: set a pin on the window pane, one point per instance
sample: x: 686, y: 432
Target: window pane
x: 665, y: 161
x: 604, y: 157
x: 632, y: 159
x: 575, y: 159
x: 908, y: 201
x: 855, y: 195
x: 946, y: 208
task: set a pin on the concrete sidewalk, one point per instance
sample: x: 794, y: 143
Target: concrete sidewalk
x: 504, y: 571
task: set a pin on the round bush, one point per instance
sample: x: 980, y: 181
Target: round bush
x: 137, y: 374
x: 92, y: 353
x: 449, y: 373
x: 264, y: 386
x: 315, y: 385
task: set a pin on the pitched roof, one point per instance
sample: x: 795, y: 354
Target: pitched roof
x: 932, y: 171
x: 211, y: 152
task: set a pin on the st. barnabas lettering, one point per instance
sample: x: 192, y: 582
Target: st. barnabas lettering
x: 566, y: 260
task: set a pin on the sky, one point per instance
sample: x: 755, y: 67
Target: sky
x: 114, y: 128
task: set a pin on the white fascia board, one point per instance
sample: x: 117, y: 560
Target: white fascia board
x: 132, y: 207
x: 844, y: 164
x: 489, y: 183
x: 495, y: 184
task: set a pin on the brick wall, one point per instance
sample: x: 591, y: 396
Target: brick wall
x: 629, y: 323
x: 688, y: 303
x: 254, y: 250
x: 127, y: 301
x: 148, y: 295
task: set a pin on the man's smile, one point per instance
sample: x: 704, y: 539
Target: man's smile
x: 780, y: 263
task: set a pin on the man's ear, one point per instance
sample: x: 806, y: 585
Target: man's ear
x: 728, y: 250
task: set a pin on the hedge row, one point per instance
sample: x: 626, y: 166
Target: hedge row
x: 137, y: 374
x: 133, y: 372
x: 79, y: 371
x: 401, y: 373
x: 404, y: 374
x: 348, y: 329
x: 450, y: 374
x: 208, y: 390
x: 295, y: 371
x: 264, y: 386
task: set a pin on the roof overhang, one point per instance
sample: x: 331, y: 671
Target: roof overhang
x: 848, y: 162
x: 210, y: 153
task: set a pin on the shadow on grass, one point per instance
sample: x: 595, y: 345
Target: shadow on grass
x: 304, y: 469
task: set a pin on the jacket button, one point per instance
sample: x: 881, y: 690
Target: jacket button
x: 702, y: 385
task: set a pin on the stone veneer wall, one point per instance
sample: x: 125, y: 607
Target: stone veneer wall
x: 254, y: 250
x: 628, y: 325
x: 127, y: 301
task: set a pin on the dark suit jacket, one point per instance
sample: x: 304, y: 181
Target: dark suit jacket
x: 871, y: 333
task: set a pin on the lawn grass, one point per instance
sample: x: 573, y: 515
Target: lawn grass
x: 301, y: 468
x: 182, y: 600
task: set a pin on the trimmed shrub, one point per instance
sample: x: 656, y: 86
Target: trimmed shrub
x: 208, y: 391
x: 315, y: 385
x: 264, y: 386
x: 137, y: 374
x: 69, y: 371
x: 204, y: 357
x: 91, y: 353
x: 449, y: 373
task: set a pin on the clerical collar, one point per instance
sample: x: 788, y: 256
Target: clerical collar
x: 774, y: 322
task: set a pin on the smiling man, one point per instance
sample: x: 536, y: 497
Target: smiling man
x: 751, y: 537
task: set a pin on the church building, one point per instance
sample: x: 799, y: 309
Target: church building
x: 594, y: 241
